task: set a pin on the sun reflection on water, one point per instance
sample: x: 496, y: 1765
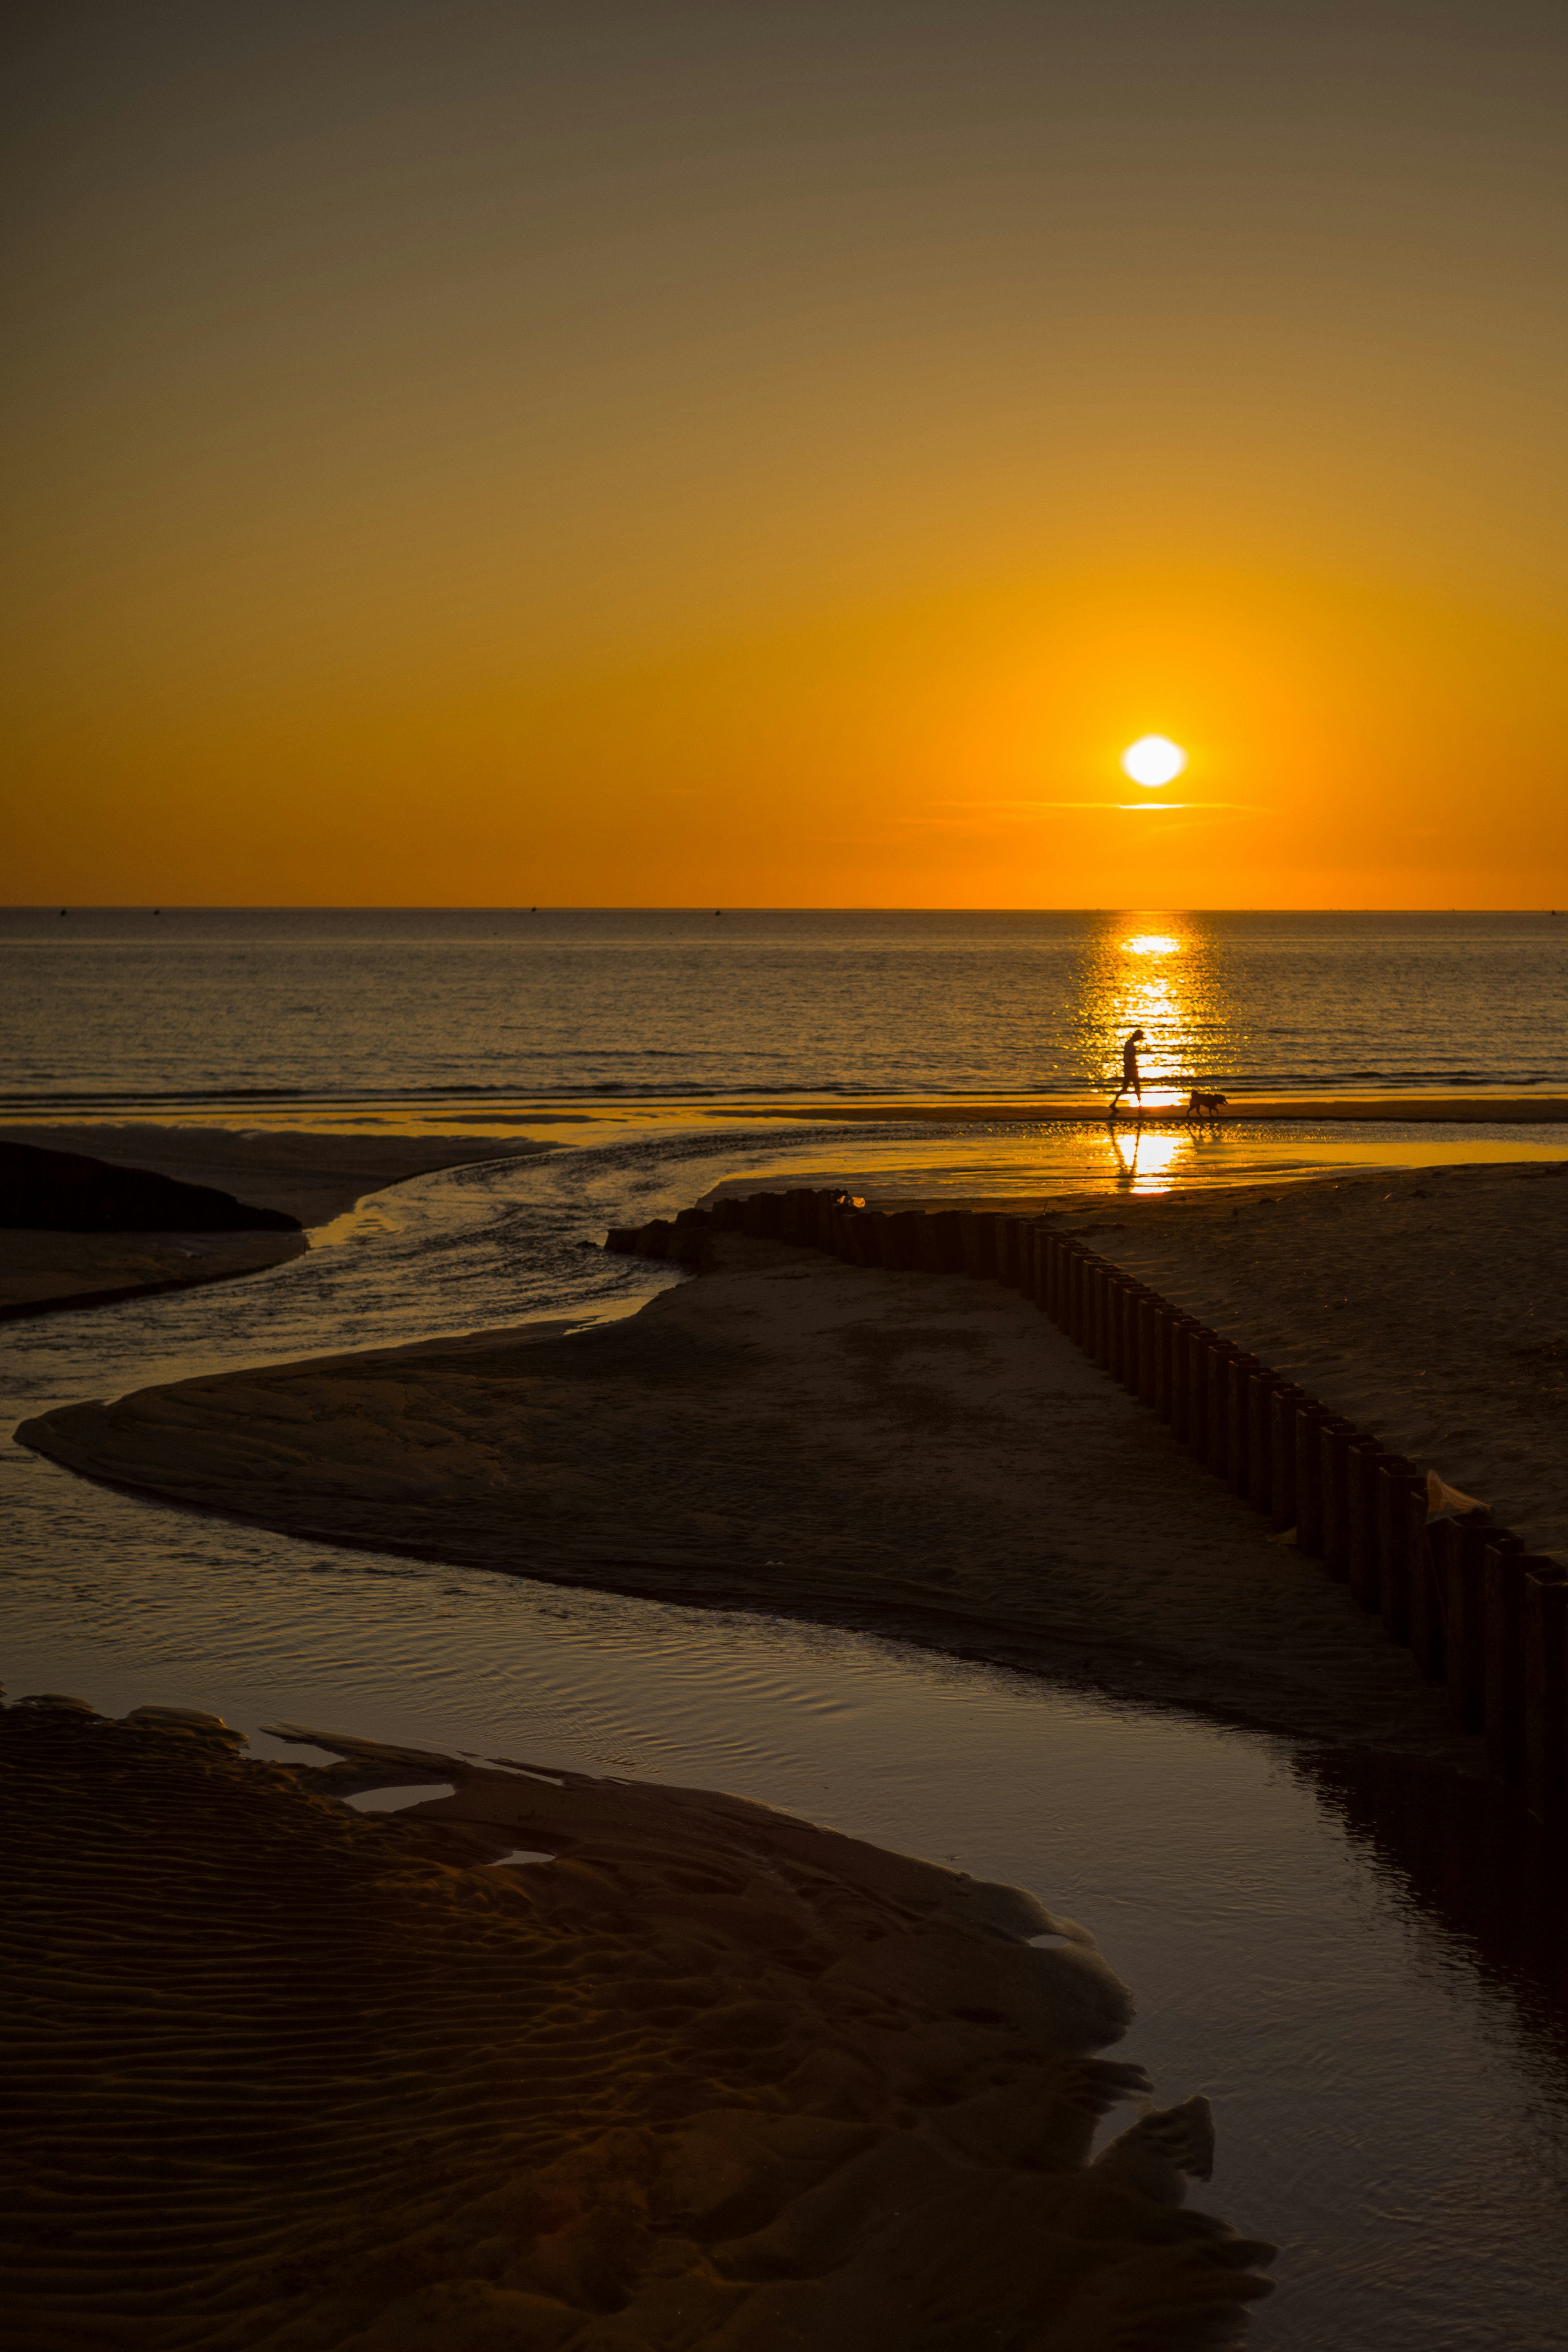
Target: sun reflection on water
x: 1153, y: 970
x: 1148, y: 1162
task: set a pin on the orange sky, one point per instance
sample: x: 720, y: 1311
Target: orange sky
x: 779, y: 454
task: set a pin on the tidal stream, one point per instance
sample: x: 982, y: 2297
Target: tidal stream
x: 1363, y: 1973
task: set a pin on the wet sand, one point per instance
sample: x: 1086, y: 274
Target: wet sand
x: 914, y: 1455
x: 1471, y: 1108
x: 293, y: 2076
x: 312, y: 1177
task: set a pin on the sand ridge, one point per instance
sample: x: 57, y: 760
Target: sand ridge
x: 303, y: 2080
x: 917, y: 1454
x: 312, y: 1177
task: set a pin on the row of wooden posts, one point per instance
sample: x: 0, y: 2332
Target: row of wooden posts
x: 1476, y: 1609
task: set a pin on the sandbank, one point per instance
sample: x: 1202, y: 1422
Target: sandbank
x: 313, y: 1177
x: 42, y: 1273
x: 709, y: 2076
x: 916, y: 1454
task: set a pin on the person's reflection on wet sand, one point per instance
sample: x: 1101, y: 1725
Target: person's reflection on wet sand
x: 1126, y: 1154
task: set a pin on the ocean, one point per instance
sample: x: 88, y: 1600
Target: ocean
x: 197, y: 1006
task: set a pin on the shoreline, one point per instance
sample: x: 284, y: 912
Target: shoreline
x: 1459, y: 1109
x: 1164, y: 1104
x: 739, y: 2071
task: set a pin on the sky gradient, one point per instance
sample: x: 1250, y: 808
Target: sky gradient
x: 781, y: 454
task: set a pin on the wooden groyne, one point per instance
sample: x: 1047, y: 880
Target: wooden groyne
x: 1477, y: 1611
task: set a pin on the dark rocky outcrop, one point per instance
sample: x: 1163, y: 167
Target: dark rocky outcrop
x: 68, y: 1192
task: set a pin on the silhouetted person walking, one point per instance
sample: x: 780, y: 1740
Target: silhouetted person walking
x: 1131, y: 1082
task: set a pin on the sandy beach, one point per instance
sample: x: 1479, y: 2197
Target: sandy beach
x: 1431, y: 1306
x: 916, y: 1454
x: 696, y: 2072
x: 314, y: 1178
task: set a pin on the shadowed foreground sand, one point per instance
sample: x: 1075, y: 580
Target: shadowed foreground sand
x: 912, y: 1453
x: 294, y: 2078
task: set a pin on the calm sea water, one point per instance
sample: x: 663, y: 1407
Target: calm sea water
x: 191, y: 1006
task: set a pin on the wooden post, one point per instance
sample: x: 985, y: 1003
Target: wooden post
x: 1067, y: 1287
x: 1176, y: 1377
x: 1061, y: 1253
x: 1335, y: 1477
x: 1282, y: 1407
x: 1127, y: 1358
x: 974, y: 1237
x: 1150, y: 1321
x: 1544, y: 1636
x: 1198, y: 1339
x: 1261, y: 1384
x: 800, y: 1220
x: 1124, y: 1331
x: 1002, y: 1243
x: 1238, y: 1379
x: 1166, y: 1321
x: 1221, y: 1355
x: 1308, y: 1433
x: 1460, y: 1556
x: 1362, y: 1456
x: 1104, y: 1311
x: 943, y: 1252
x: 1428, y: 1645
x: 1083, y: 1300
x: 1502, y: 1580
x: 862, y: 1236
x: 1395, y: 1479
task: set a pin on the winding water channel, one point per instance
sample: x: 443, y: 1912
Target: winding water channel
x: 1362, y: 1972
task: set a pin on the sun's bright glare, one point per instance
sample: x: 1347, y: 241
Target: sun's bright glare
x: 1152, y: 943
x: 1153, y: 759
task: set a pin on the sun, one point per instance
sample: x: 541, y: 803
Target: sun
x: 1153, y: 759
